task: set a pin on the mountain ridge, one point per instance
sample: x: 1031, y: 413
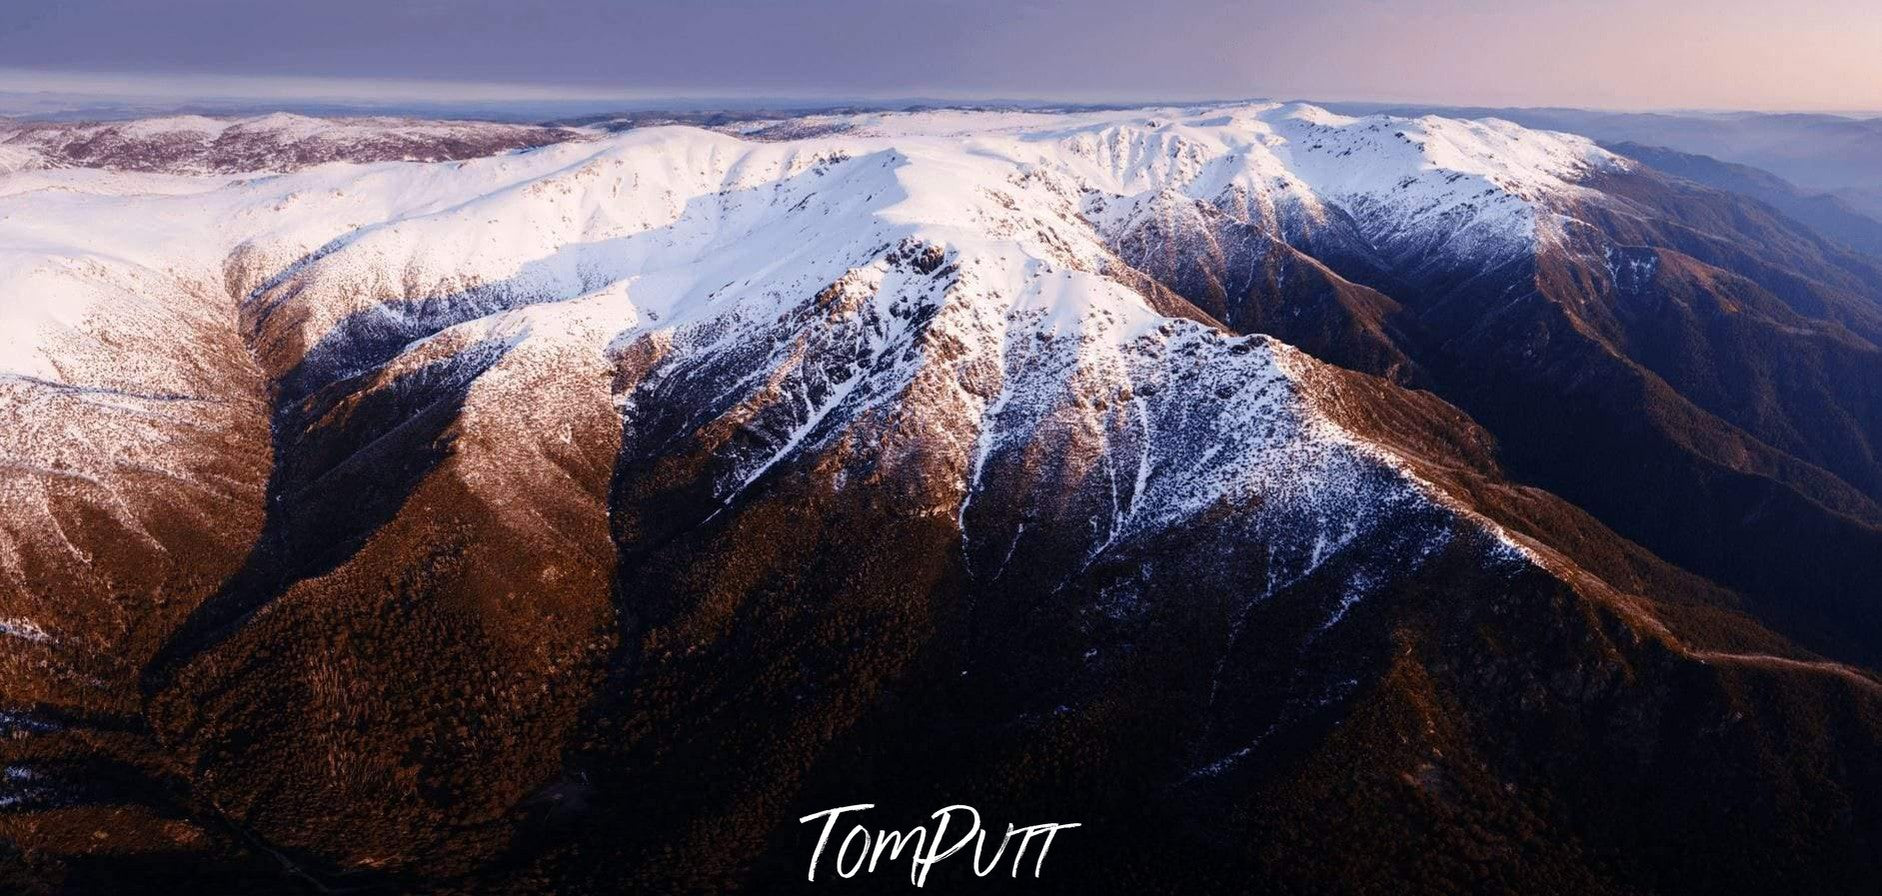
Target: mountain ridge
x: 672, y: 482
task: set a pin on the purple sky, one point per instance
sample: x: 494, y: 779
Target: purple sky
x: 1814, y: 54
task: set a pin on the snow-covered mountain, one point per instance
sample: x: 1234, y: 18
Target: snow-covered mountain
x: 355, y: 506
x: 196, y: 144
x: 579, y: 217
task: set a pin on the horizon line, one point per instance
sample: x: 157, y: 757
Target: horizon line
x: 74, y: 89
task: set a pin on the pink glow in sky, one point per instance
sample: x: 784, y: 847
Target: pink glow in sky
x: 1758, y: 54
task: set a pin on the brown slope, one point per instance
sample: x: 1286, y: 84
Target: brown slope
x: 128, y: 492
x: 1253, y: 282
x: 1687, y: 365
x: 815, y: 646
x: 436, y: 664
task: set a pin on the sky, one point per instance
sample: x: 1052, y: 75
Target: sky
x: 1819, y: 55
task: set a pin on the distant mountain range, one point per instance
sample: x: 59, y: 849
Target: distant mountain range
x: 1827, y: 213
x: 1300, y: 502
x: 1835, y: 155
